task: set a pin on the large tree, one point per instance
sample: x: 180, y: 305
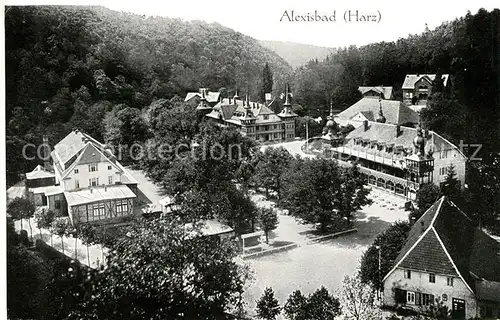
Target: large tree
x: 270, y: 169
x: 125, y: 130
x: 267, y: 81
x: 426, y: 196
x: 317, y: 306
x: 268, y: 307
x: 164, y: 270
x: 386, y: 246
x: 358, y: 300
x: 22, y: 209
x: 319, y: 191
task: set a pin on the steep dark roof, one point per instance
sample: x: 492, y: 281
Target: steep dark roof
x: 445, y: 238
x: 416, y: 231
x: 428, y: 255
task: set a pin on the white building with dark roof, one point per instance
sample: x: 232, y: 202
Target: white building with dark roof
x: 253, y: 119
x: 90, y: 184
x: 447, y: 259
x: 388, y: 154
x: 417, y: 87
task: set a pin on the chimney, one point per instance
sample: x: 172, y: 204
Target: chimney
x: 365, y: 125
x: 46, y: 153
x: 398, y: 130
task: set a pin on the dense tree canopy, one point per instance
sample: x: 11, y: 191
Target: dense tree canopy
x: 67, y: 66
x: 319, y: 191
x: 162, y: 270
x: 387, y: 244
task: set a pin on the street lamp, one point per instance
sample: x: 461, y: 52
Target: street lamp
x: 379, y: 272
x: 307, y: 134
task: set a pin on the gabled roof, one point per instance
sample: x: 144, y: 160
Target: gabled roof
x: 211, y: 96
x: 385, y: 91
x: 39, y: 173
x: 80, y: 148
x: 234, y: 111
x: 411, y: 79
x: 395, y: 112
x: 445, y: 241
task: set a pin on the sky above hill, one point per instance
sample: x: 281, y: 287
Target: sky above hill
x: 260, y: 19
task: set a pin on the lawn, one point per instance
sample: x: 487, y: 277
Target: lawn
x: 311, y: 266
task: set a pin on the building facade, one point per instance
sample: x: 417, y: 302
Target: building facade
x: 400, y: 159
x: 417, y: 87
x: 89, y: 183
x: 253, y: 119
x: 447, y: 260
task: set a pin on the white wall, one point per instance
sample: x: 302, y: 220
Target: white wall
x: 84, y: 175
x: 419, y: 282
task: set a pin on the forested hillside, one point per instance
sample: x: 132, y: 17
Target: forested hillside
x: 297, y: 54
x: 467, y: 48
x: 67, y: 66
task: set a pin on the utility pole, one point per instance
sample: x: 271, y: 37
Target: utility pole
x: 379, y: 263
x: 307, y: 135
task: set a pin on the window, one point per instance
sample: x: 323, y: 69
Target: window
x: 76, y: 170
x: 109, y: 167
x: 93, y: 182
x: 449, y: 281
x: 93, y: 167
x: 110, y: 180
x: 410, y: 297
x: 407, y: 274
x: 266, y: 117
x: 427, y: 299
x: 77, y: 184
x: 98, y: 210
x: 432, y: 278
x: 57, y: 202
x: 121, y: 207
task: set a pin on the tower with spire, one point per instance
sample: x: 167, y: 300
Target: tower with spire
x: 331, y: 136
x: 288, y: 116
x: 420, y: 164
x: 380, y: 118
x: 203, y: 106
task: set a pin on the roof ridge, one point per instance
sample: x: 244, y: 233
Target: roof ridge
x: 451, y: 260
x: 422, y: 235
x: 438, y: 210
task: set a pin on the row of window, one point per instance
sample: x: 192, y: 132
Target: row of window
x: 93, y: 168
x: 99, y: 211
x: 420, y: 299
x: 432, y: 278
x: 93, y: 182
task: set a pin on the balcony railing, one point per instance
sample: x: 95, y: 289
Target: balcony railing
x: 385, y: 176
x: 373, y: 155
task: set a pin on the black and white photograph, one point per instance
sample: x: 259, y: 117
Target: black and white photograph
x: 251, y: 160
